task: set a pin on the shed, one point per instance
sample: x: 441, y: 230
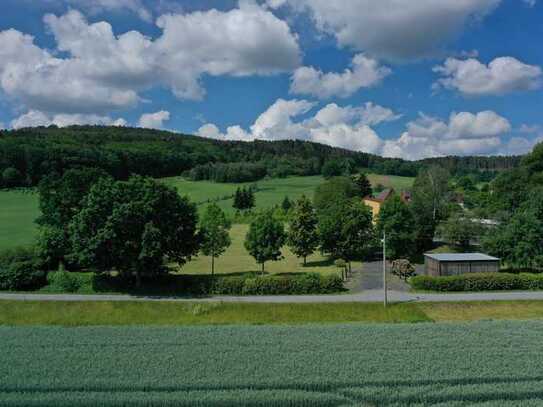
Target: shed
x: 451, y: 264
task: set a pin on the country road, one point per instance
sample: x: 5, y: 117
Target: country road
x: 366, y: 296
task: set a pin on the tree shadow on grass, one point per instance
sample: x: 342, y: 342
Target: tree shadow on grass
x: 320, y: 263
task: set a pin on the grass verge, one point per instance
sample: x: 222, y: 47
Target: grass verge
x: 482, y: 310
x: 202, y: 313
x: 215, y: 313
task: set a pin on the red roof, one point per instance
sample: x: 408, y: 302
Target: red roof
x: 382, y: 196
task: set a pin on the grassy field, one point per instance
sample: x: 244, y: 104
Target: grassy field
x: 18, y: 210
x: 271, y: 191
x: 455, y: 364
x: 203, y: 313
x: 90, y: 313
x: 475, y: 311
x: 237, y: 260
x: 392, y: 181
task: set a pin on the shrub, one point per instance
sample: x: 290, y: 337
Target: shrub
x: 331, y: 283
x: 310, y: 283
x: 17, y: 254
x: 12, y: 177
x: 403, y: 269
x: 227, y: 286
x: 479, y: 282
x: 21, y: 275
x: 64, y: 281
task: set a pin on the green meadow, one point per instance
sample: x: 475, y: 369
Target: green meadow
x: 19, y: 209
x: 237, y: 260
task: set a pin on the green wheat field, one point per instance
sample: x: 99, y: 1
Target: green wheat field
x: 481, y: 363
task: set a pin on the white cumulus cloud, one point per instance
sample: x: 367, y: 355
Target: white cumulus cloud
x: 465, y: 133
x: 35, y: 118
x: 96, y: 6
x: 351, y: 127
x: 393, y: 29
x: 347, y: 127
x: 502, y: 75
x: 93, y: 70
x: 154, y: 120
x: 364, y: 73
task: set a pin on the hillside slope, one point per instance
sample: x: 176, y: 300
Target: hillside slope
x: 121, y: 151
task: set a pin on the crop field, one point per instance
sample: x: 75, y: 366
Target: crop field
x: 481, y: 363
x: 18, y: 209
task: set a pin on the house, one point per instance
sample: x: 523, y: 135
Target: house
x: 450, y: 264
x: 376, y: 202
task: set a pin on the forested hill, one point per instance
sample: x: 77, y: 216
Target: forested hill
x: 26, y: 155
x: 468, y: 164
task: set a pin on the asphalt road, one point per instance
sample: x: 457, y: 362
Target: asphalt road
x: 366, y: 296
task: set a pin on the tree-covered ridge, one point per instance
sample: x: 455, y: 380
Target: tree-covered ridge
x: 462, y: 165
x: 27, y: 155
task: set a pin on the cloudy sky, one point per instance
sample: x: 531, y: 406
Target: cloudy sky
x: 398, y: 78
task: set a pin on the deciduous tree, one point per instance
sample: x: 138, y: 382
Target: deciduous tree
x: 459, y: 230
x: 398, y: 222
x: 303, y: 238
x: 356, y: 231
x: 60, y: 199
x: 429, y: 203
x: 215, y: 238
x: 132, y: 226
x: 265, y: 238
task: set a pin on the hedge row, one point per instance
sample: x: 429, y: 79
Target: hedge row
x: 198, y: 285
x: 479, y: 282
x: 20, y: 276
x: 291, y: 284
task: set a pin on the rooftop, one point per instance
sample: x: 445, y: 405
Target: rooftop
x: 461, y: 257
x: 382, y: 196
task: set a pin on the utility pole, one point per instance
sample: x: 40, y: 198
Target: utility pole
x: 385, y: 299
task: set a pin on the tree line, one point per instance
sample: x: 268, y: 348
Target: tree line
x: 28, y: 155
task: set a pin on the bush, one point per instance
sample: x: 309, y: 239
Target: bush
x: 64, y: 281
x: 479, y: 282
x: 21, y: 275
x: 11, y: 177
x: 403, y: 269
x: 310, y: 283
x: 16, y: 255
x: 227, y: 285
x: 522, y: 270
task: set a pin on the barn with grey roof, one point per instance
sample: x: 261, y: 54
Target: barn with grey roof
x: 450, y: 264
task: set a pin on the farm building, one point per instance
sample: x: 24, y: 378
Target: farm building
x: 450, y: 264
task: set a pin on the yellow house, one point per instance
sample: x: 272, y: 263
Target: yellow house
x: 375, y: 203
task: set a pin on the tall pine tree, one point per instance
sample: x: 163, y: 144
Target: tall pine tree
x: 363, y: 185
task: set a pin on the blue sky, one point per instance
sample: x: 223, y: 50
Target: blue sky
x: 395, y: 78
